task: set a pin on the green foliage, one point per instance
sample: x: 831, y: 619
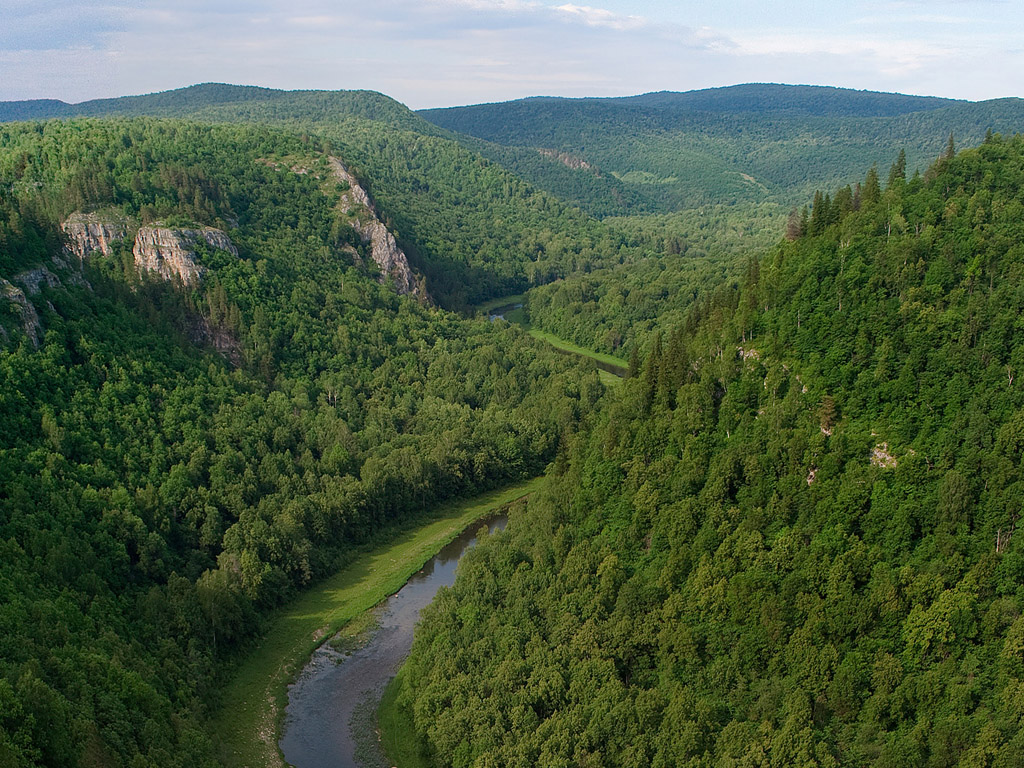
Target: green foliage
x: 476, y: 231
x: 792, y: 539
x: 161, y: 496
x: 473, y: 229
x: 681, y: 256
x: 667, y: 152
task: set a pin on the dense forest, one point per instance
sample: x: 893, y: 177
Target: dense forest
x: 614, y: 309
x: 792, y: 540
x: 473, y: 229
x: 755, y: 143
x: 177, y: 458
x: 787, y: 538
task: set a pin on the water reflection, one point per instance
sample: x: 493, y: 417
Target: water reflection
x: 329, y: 719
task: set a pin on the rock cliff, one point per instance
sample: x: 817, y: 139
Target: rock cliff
x: 384, y: 250
x: 24, y: 308
x: 88, y: 232
x: 32, y: 279
x: 170, y: 252
x: 31, y: 282
x: 569, y: 161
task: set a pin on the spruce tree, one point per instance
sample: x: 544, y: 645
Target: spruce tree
x: 898, y: 172
x: 872, y: 190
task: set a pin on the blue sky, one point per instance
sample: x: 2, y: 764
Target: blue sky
x: 444, y: 52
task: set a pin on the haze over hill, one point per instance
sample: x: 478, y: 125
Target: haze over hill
x: 663, y: 152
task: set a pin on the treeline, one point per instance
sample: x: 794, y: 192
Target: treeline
x: 746, y: 144
x: 683, y: 256
x: 472, y: 228
x: 157, y: 495
x: 793, y: 540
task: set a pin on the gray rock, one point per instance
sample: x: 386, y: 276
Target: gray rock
x: 170, y: 252
x: 29, y: 316
x: 32, y: 279
x: 384, y: 250
x: 88, y: 233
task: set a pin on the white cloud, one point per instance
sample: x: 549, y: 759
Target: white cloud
x: 600, y: 17
x: 887, y: 56
x: 320, y: 22
x: 434, y: 52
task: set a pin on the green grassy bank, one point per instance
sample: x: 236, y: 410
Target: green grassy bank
x: 399, y: 739
x: 490, y: 305
x: 247, y: 725
x: 568, y: 346
x: 518, y: 316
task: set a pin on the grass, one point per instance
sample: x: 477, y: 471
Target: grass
x: 518, y: 316
x: 247, y: 727
x: 568, y: 346
x: 399, y: 739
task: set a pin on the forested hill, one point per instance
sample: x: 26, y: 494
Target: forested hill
x: 474, y: 230
x: 663, y: 152
x: 802, y: 99
x: 270, y: 102
x: 208, y: 399
x: 793, y: 541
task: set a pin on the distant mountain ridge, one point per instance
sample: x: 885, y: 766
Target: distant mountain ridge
x: 657, y: 152
x: 195, y: 100
x: 667, y: 151
x: 760, y: 97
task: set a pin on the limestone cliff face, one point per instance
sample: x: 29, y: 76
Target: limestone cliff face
x: 24, y: 308
x: 569, y: 161
x: 384, y: 250
x: 32, y: 280
x: 170, y: 252
x: 88, y: 233
x: 18, y: 290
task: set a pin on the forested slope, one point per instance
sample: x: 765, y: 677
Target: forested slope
x: 792, y: 541
x: 664, y: 152
x: 474, y: 230
x: 178, y: 456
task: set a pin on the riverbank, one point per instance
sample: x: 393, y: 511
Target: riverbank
x: 486, y: 307
x: 611, y: 369
x: 248, y: 726
x: 567, y: 346
x: 399, y: 739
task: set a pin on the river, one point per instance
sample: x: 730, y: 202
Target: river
x: 331, y: 714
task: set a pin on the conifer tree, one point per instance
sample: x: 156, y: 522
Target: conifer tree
x: 872, y: 190
x: 898, y: 171
x: 794, y: 226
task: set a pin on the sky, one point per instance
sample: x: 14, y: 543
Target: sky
x: 431, y: 53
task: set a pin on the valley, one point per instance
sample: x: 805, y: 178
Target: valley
x: 744, y: 361
x: 254, y: 701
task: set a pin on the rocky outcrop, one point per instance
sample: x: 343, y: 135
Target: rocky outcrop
x: 171, y: 252
x: 881, y: 457
x: 384, y: 250
x: 569, y: 161
x: 23, y: 307
x: 88, y: 233
x: 387, y: 255
x: 33, y: 279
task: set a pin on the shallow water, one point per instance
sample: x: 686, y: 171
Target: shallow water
x: 330, y: 717
x: 503, y: 310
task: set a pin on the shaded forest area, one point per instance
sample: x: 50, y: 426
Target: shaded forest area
x: 792, y: 540
x: 160, y: 497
